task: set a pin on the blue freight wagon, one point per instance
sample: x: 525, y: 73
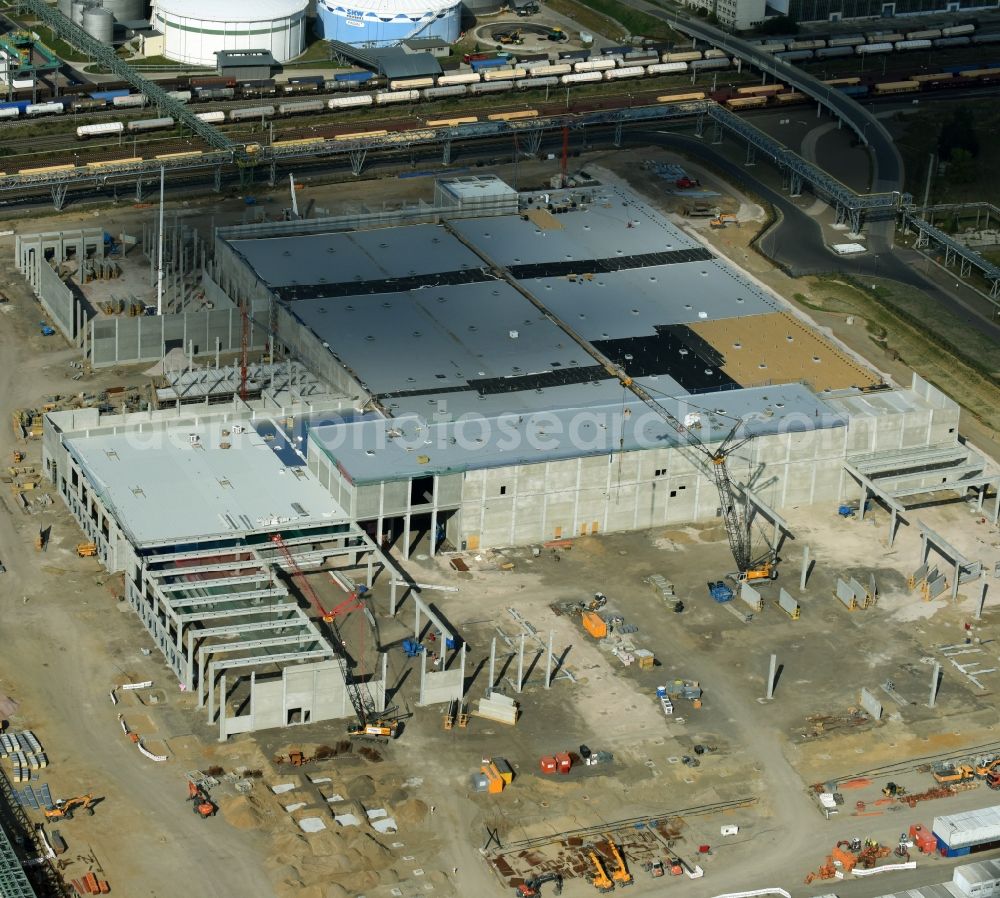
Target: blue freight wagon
x: 854, y: 90
x: 359, y: 77
x: 495, y: 63
x: 109, y: 95
x: 19, y: 105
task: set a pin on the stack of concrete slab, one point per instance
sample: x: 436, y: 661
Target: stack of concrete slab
x: 498, y: 707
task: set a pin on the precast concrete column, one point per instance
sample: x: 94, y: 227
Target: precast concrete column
x: 804, y: 576
x: 772, y: 672
x: 493, y: 661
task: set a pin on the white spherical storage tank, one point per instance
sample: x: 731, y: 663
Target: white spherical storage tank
x: 193, y: 30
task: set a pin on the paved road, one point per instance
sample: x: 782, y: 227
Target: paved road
x: 796, y: 243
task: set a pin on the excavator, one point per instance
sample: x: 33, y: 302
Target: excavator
x: 620, y: 874
x: 531, y: 888
x: 65, y: 808
x: 987, y: 765
x: 201, y: 804
x: 602, y: 882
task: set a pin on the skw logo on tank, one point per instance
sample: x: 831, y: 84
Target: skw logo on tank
x: 354, y: 17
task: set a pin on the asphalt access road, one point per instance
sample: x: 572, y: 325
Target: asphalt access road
x: 796, y: 242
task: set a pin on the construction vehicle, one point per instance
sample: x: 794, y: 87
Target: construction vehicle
x: 686, y: 183
x: 600, y: 879
x: 893, y: 790
x: 986, y: 765
x: 993, y: 780
x: 722, y: 219
x: 952, y: 773
x: 375, y: 731
x: 531, y: 888
x: 620, y: 874
x: 720, y: 592
x: 654, y: 869
x: 201, y: 804
x: 86, y: 550
x: 511, y: 37
x: 64, y: 809
x: 557, y: 35
x: 598, y: 602
x: 17, y: 456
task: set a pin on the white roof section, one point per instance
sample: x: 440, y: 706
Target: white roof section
x: 968, y: 827
x: 161, y: 487
x: 974, y: 879
x: 226, y: 11
x: 476, y: 187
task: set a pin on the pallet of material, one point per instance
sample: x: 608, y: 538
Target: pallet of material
x: 498, y: 708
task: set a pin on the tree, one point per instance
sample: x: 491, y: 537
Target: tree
x: 958, y: 133
x: 962, y: 168
x: 778, y: 25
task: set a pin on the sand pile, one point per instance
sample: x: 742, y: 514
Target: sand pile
x: 241, y: 811
x: 413, y: 810
x: 360, y: 882
x: 325, y: 843
x: 335, y: 890
x: 361, y: 787
x: 372, y: 853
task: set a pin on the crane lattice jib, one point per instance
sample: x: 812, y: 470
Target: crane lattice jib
x: 737, y: 530
x: 733, y: 510
x: 99, y: 53
x: 329, y: 617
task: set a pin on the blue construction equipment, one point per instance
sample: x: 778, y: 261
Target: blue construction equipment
x: 412, y: 648
x: 47, y: 331
x: 720, y: 592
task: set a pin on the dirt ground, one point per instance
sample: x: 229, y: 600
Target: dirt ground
x: 69, y: 640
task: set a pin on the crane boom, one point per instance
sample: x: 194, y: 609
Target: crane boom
x: 735, y: 513
x: 362, y: 709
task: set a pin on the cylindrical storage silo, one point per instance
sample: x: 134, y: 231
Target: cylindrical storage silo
x: 126, y: 10
x: 384, y: 23
x: 76, y: 12
x: 193, y: 30
x: 66, y: 7
x: 99, y: 24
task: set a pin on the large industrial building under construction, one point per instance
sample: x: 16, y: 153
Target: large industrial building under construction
x: 459, y: 373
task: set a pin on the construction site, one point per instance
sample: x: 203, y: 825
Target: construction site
x: 511, y: 541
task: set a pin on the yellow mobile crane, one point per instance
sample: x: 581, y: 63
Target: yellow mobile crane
x: 602, y: 882
x: 620, y: 874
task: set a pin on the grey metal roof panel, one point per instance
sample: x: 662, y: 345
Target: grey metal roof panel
x: 341, y: 257
x: 439, y: 338
x: 631, y: 303
x: 620, y: 225
x: 199, y: 492
x: 370, y: 451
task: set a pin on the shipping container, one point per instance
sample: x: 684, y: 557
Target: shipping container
x: 492, y: 87
x: 109, y: 95
x: 581, y: 78
x: 251, y: 113
x: 130, y: 102
x: 351, y: 102
x: 354, y: 77
x: 701, y: 65
x: 534, y: 83
x: 301, y: 107
x: 895, y: 87
x: 459, y: 78
x: 150, y: 124
x: 104, y: 129
x: 439, y: 93
x: 410, y: 83
x: 667, y: 68
x: 871, y: 49
x: 384, y: 98
x: 34, y: 109
x: 594, y: 64
x: 686, y: 56
x: 760, y: 90
x: 632, y: 71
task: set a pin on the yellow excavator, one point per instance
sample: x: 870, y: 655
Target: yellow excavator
x: 602, y: 882
x: 65, y: 808
x: 620, y: 874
